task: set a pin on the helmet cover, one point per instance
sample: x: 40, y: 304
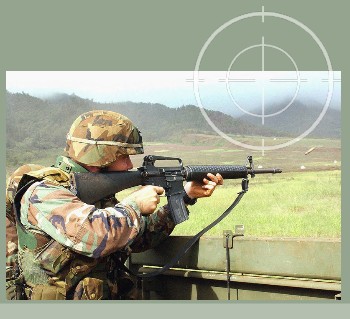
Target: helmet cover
x: 97, y: 138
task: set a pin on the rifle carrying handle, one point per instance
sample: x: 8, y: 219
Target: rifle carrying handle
x: 177, y: 207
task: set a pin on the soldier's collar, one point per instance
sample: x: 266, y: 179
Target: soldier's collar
x: 68, y: 165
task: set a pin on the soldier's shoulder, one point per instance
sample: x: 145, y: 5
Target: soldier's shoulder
x: 16, y: 176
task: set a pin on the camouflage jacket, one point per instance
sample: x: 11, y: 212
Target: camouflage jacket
x: 11, y: 232
x: 92, y: 233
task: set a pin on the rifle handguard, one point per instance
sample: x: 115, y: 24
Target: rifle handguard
x: 198, y: 172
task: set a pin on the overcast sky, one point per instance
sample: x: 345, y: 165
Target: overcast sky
x: 223, y: 91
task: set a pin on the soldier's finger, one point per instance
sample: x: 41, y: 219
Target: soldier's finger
x: 209, y: 186
x: 159, y: 190
x: 220, y: 179
x: 215, y: 178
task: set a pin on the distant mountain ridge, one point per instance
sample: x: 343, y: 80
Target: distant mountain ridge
x: 298, y: 118
x: 36, y: 128
x: 44, y: 123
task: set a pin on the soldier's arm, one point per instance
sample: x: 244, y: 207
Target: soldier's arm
x: 159, y: 225
x: 85, y: 229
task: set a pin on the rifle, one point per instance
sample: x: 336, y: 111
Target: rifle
x: 92, y: 187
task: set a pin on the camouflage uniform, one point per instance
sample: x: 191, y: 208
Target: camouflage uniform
x: 69, y: 249
x: 11, y: 233
x: 12, y: 271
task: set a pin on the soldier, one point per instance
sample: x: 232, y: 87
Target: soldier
x: 71, y: 250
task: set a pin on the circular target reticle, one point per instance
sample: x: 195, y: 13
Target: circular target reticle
x: 234, y: 100
x: 253, y: 15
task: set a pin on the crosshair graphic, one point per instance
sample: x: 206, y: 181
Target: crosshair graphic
x: 263, y: 115
x: 262, y: 45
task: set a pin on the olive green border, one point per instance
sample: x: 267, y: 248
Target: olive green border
x: 156, y: 35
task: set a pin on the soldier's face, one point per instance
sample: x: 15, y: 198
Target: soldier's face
x: 122, y: 163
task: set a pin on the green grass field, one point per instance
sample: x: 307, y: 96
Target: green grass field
x: 284, y: 205
x: 306, y: 204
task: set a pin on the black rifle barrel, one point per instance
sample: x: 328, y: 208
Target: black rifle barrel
x: 198, y: 172
x: 265, y: 171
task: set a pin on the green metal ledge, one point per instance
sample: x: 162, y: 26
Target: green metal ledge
x: 304, y: 283
x: 260, y: 269
x: 286, y: 257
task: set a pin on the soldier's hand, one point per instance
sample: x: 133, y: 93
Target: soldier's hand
x: 147, y: 198
x: 204, y: 189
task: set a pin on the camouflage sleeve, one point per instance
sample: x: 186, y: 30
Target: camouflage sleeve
x: 158, y: 226
x: 11, y: 243
x: 11, y: 231
x: 56, y: 211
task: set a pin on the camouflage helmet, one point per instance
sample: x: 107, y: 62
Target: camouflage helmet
x: 97, y: 138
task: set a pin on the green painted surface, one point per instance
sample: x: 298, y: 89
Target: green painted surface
x: 291, y: 257
x: 261, y: 269
x: 174, y: 288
